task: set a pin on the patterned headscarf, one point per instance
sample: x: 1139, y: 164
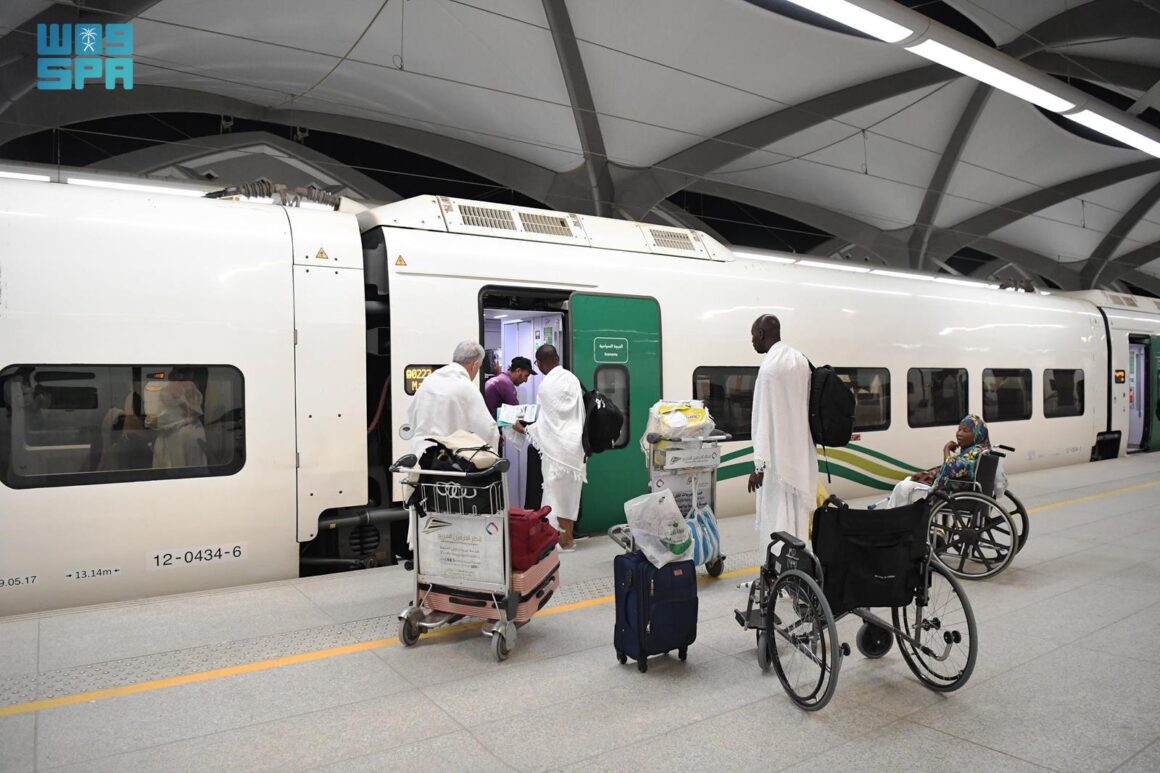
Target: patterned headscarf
x: 959, y: 468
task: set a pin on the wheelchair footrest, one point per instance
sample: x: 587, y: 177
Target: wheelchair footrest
x: 753, y: 621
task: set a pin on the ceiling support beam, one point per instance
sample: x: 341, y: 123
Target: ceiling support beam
x: 583, y: 108
x: 1102, y: 255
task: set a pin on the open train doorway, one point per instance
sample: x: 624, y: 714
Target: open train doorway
x: 515, y: 322
x: 1143, y: 400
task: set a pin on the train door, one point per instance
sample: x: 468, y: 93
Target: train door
x: 1139, y: 424
x: 1153, y: 404
x: 616, y: 349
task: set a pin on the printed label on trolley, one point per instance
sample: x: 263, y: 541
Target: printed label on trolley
x: 197, y: 556
x: 463, y: 551
x: 707, y: 457
x: 682, y: 488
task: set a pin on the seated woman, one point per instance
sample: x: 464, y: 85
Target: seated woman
x: 960, y: 458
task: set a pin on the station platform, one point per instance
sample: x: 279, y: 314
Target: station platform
x: 309, y: 674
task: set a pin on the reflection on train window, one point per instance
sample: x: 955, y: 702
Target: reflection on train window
x: 612, y: 380
x: 871, y: 388
x: 1062, y: 393
x: 1006, y: 394
x: 936, y: 397
x: 728, y: 394
x: 66, y: 425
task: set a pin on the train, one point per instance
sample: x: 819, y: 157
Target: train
x: 201, y: 392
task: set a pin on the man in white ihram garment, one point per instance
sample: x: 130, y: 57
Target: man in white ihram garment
x: 785, y: 458
x: 557, y: 434
x: 448, y: 400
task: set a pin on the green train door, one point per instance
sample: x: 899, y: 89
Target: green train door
x: 616, y: 349
x: 1153, y: 405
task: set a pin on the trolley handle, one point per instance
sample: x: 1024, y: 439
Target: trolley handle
x: 407, y: 464
x: 653, y: 438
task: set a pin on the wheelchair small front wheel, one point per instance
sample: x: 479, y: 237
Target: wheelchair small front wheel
x: 874, y: 641
x: 937, y: 634
x: 803, y: 640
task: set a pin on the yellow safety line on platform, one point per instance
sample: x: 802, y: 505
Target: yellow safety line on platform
x: 350, y: 649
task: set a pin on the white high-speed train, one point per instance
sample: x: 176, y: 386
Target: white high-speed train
x: 198, y: 393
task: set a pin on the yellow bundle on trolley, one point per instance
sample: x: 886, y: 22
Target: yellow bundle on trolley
x: 677, y: 420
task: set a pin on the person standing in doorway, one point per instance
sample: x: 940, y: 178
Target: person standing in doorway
x: 558, y: 436
x: 501, y: 390
x: 448, y: 400
x: 785, y: 458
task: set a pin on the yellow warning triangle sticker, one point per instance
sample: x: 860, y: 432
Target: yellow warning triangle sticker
x: 399, y: 261
x: 322, y: 254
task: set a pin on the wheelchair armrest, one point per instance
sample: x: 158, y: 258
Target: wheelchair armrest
x: 785, y: 536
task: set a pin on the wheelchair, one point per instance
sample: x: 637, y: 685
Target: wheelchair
x: 973, y: 533
x: 861, y: 559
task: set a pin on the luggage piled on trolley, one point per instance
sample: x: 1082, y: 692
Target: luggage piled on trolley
x: 473, y: 556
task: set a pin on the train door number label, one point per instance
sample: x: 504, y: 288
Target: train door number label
x: 610, y: 349
x: 1121, y: 376
x: 197, y: 556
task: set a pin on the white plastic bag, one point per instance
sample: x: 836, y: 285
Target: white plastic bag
x: 1000, y: 481
x: 659, y: 528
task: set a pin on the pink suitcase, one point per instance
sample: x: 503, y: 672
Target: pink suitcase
x: 441, y: 598
x: 522, y: 582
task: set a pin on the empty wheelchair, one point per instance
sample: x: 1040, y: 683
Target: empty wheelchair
x: 861, y: 559
x: 976, y: 531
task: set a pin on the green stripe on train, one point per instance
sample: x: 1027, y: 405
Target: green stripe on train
x: 903, y: 470
x: 744, y: 468
x: 864, y: 464
x: 883, y: 457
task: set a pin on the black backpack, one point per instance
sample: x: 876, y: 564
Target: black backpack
x: 602, y: 422
x: 831, y: 408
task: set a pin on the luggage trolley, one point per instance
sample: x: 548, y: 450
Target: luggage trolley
x: 688, y: 468
x: 462, y: 558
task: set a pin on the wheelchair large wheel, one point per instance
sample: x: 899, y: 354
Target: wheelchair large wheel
x: 1019, y: 513
x: 938, y: 638
x: 972, y: 535
x: 803, y: 640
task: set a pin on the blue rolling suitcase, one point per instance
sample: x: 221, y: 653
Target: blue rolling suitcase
x: 656, y: 609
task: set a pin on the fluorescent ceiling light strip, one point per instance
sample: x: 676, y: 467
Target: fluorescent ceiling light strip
x: 834, y: 266
x: 1116, y: 131
x: 40, y: 178
x: 132, y: 187
x: 761, y: 256
x: 992, y: 76
x: 902, y: 275
x: 961, y: 282
x: 858, y: 18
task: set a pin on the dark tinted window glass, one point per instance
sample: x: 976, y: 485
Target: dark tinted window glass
x: 1062, y: 393
x: 612, y: 380
x: 871, y: 388
x: 1006, y: 394
x: 936, y: 397
x: 728, y: 394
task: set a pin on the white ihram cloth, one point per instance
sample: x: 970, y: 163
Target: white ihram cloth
x: 558, y: 435
x: 782, y: 444
x: 447, y: 400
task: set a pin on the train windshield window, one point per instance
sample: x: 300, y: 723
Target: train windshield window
x: 1006, y: 394
x: 612, y: 380
x: 728, y: 394
x: 1062, y: 393
x: 936, y: 397
x: 69, y: 425
x: 871, y: 387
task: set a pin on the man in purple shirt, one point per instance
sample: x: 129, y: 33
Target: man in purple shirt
x: 501, y: 390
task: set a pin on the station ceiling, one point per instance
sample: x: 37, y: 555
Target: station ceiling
x: 724, y: 116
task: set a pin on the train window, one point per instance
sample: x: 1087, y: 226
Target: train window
x: 936, y: 397
x: 1006, y: 394
x: 1062, y: 393
x: 71, y: 425
x: 612, y: 380
x: 871, y: 387
x: 728, y: 394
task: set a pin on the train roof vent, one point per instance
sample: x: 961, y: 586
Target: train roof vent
x: 1130, y: 301
x: 672, y: 240
x: 1156, y: 304
x: 487, y: 217
x: 549, y: 225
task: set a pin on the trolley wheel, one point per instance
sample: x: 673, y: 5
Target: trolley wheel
x: 972, y: 535
x: 763, y: 661
x: 874, y: 641
x: 716, y: 566
x: 936, y: 632
x: 642, y: 664
x: 499, y: 645
x: 1019, y: 513
x: 803, y: 640
x: 683, y: 653
x: 621, y: 658
x: 409, y: 632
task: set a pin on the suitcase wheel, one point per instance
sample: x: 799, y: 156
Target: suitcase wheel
x: 683, y: 653
x: 622, y: 658
x: 642, y: 665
